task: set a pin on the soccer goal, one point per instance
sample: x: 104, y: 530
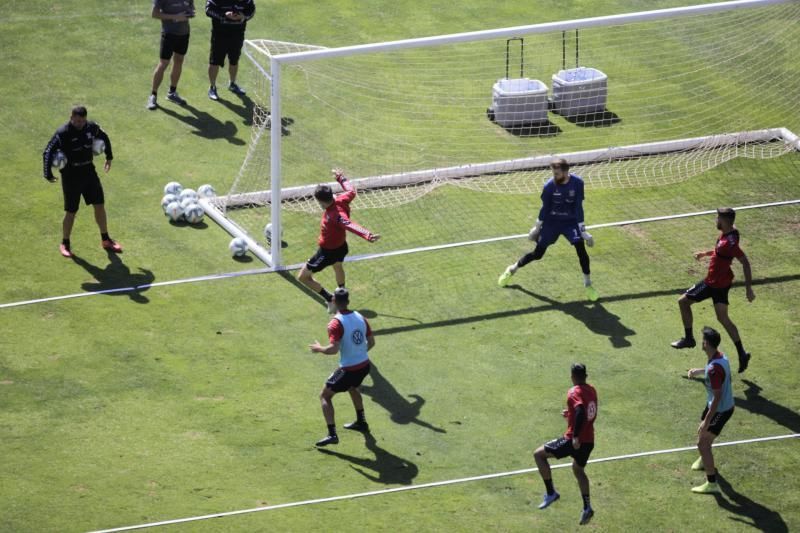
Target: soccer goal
x: 447, y: 138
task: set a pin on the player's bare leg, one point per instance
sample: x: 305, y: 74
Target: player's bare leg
x: 540, y: 456
x: 326, y: 401
x: 722, y: 315
x: 338, y: 270
x: 177, y: 68
x: 704, y: 441
x: 358, y: 403
x: 100, y: 217
x: 66, y: 231
x: 687, y: 341
x: 583, y: 485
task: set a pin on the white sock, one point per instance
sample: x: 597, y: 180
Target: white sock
x: 586, y: 280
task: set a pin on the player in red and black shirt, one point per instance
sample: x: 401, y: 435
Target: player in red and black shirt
x: 577, y: 442
x: 717, y: 283
x: 332, y: 238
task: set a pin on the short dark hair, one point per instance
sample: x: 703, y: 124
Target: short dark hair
x: 79, y: 110
x: 559, y: 162
x: 323, y: 193
x: 711, y: 336
x: 341, y: 296
x: 579, y: 371
x: 727, y: 213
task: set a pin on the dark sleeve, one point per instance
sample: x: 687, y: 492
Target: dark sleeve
x: 102, y: 135
x: 579, y: 202
x: 249, y: 10
x: 546, y: 196
x: 47, y: 156
x: 214, y: 11
x: 580, y: 418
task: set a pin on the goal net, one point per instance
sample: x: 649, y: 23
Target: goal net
x: 448, y: 139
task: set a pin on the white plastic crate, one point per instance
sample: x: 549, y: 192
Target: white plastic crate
x: 579, y: 91
x: 519, y: 101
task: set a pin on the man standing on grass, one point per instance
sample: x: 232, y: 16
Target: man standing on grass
x: 350, y: 335
x: 332, y: 237
x: 718, y: 410
x: 228, y: 25
x: 75, y: 140
x: 577, y: 442
x: 561, y: 214
x: 716, y: 285
x: 174, y: 16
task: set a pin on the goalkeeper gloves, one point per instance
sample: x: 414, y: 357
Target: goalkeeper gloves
x: 533, y: 234
x: 585, y: 235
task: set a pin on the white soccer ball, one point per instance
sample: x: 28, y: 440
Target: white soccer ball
x: 238, y: 246
x: 174, y: 211
x: 98, y: 146
x: 268, y: 233
x: 168, y: 199
x: 188, y: 193
x: 193, y: 214
x: 173, y: 187
x: 186, y: 202
x: 59, y: 160
x: 206, y: 191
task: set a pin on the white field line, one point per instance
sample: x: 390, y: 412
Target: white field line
x: 297, y: 266
x: 433, y: 484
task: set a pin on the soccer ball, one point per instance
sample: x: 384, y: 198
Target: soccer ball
x: 206, y: 191
x: 98, y: 146
x: 168, y: 199
x: 238, y: 246
x: 174, y: 211
x: 188, y: 193
x: 173, y: 187
x: 268, y: 233
x: 186, y: 202
x: 193, y: 213
x: 59, y: 160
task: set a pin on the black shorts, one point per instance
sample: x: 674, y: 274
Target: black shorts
x: 719, y: 420
x: 81, y: 181
x: 700, y: 291
x: 562, y: 447
x: 342, y: 380
x: 173, y: 44
x: 325, y: 258
x: 225, y: 43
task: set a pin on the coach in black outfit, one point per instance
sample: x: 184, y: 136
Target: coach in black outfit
x: 228, y: 23
x: 79, y: 177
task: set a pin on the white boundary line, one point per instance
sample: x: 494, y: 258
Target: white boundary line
x: 432, y: 484
x: 297, y: 266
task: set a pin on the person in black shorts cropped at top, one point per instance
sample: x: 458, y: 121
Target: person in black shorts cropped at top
x: 174, y: 16
x: 228, y: 24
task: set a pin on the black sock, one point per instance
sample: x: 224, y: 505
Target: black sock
x: 65, y: 242
x: 360, y: 416
x: 687, y: 334
x: 332, y: 430
x: 325, y: 294
x: 213, y: 87
x: 105, y: 237
x: 586, y: 503
x: 739, y: 348
x: 341, y: 285
x: 712, y: 478
x: 172, y: 88
x: 154, y: 93
x: 548, y: 485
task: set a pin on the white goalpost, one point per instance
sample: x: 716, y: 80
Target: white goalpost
x: 428, y: 126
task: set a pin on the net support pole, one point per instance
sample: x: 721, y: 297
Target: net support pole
x: 276, y: 131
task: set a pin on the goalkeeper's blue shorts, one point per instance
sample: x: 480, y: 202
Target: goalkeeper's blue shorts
x: 552, y: 230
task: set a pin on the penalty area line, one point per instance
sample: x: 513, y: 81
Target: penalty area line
x: 434, y: 484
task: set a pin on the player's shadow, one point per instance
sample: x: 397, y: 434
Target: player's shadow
x: 750, y: 513
x: 116, y: 278
x: 601, y: 119
x: 758, y: 405
x: 244, y: 110
x: 401, y: 410
x: 386, y: 468
x: 205, y: 125
x: 597, y: 318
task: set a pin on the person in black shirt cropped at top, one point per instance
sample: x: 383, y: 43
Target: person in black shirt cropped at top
x: 228, y: 24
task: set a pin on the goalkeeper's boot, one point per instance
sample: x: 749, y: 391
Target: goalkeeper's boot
x: 706, y: 488
x: 330, y: 439
x: 505, y: 277
x: 591, y: 293
x: 65, y: 251
x: 586, y: 515
x: 548, y: 499
x: 744, y: 360
x: 698, y: 465
x: 235, y: 89
x: 111, y: 244
x: 358, y: 425
x: 684, y: 342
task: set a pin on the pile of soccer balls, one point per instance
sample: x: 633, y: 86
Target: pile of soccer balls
x: 181, y: 204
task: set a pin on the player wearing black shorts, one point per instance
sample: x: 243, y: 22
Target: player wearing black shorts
x: 718, y: 410
x: 76, y: 140
x: 577, y: 442
x: 350, y: 336
x: 228, y: 25
x: 174, y: 16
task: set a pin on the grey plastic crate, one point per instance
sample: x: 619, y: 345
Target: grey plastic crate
x: 579, y: 91
x: 519, y: 101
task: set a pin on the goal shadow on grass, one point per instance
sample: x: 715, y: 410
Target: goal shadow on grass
x: 388, y: 468
x: 117, y: 275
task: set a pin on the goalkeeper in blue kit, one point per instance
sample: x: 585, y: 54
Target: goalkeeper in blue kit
x: 561, y: 214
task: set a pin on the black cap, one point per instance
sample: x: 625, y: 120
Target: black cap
x: 341, y: 295
x: 578, y: 370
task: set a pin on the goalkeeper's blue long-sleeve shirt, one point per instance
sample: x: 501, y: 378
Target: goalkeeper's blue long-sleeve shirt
x: 562, y: 203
